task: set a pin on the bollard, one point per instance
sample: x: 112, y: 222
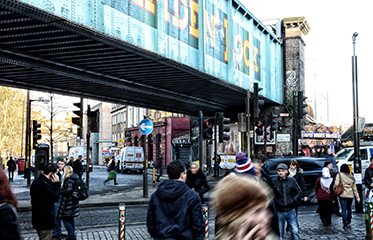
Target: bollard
x: 153, y: 176
x: 122, y: 222
x: 205, y: 209
x: 369, y: 220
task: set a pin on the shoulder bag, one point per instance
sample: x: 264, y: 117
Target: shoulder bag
x: 340, y: 188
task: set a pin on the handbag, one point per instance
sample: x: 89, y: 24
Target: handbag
x: 340, y: 188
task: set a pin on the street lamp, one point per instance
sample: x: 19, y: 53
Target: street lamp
x: 28, y: 135
x: 357, y: 160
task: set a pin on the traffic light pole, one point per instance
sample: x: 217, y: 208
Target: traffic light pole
x: 27, y: 140
x: 248, y: 123
x: 200, y: 139
x: 216, y: 147
x: 265, y: 137
x: 295, y: 114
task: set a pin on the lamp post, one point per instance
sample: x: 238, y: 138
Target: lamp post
x: 28, y: 136
x: 357, y: 160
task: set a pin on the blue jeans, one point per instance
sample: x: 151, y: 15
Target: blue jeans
x: 292, y: 219
x: 57, y: 230
x: 70, y: 227
x: 346, y: 210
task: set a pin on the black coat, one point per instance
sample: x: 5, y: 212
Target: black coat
x: 287, y: 193
x: 77, y: 167
x: 175, y: 212
x: 197, y: 182
x: 8, y: 223
x: 301, y: 182
x: 44, y: 193
x: 69, y: 205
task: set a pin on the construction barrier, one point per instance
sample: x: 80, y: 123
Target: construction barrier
x: 205, y: 209
x: 369, y: 220
x: 122, y: 222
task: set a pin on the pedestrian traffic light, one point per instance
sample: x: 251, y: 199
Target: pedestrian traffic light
x: 208, y: 124
x: 79, y: 120
x: 257, y: 103
x: 35, y: 134
x: 259, y: 128
x: 301, y: 105
x: 223, y: 129
x: 273, y: 126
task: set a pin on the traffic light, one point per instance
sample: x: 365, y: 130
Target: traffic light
x: 257, y: 103
x: 273, y: 125
x: 79, y: 120
x: 35, y: 134
x: 223, y: 129
x: 259, y: 128
x: 208, y: 124
x: 93, y: 120
x: 301, y: 105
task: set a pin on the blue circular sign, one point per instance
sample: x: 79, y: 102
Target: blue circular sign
x: 146, y: 126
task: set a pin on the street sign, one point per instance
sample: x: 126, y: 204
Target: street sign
x: 145, y: 126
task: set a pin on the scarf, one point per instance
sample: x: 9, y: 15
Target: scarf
x: 326, y: 180
x: 292, y: 173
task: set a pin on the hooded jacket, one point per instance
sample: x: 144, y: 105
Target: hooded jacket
x: 175, y: 212
x: 287, y: 193
x: 69, y: 205
x: 349, y: 185
x: 44, y: 193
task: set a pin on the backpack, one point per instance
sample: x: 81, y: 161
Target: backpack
x: 81, y: 191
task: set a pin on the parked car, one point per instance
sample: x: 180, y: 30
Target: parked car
x: 312, y: 168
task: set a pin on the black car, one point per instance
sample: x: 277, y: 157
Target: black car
x: 312, y: 168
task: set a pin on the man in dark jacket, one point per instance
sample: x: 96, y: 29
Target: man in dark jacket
x: 331, y: 158
x: 175, y: 211
x: 77, y: 166
x: 11, y: 164
x: 45, y: 191
x: 287, y: 195
x: 369, y: 175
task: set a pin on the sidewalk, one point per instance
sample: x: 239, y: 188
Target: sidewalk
x: 309, y: 221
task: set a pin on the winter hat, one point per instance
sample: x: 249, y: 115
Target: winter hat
x: 243, y: 164
x: 282, y: 166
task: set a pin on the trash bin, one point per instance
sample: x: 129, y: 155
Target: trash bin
x: 369, y: 219
x: 21, y: 166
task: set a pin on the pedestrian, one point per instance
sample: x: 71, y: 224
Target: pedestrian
x: 45, y: 191
x: 287, y: 196
x: 77, y: 166
x: 331, y: 158
x: 196, y: 180
x: 319, y: 152
x: 70, y: 205
x: 111, y: 167
x: 368, y: 176
x: 313, y: 153
x: 9, y: 228
x: 335, y: 207
x: 242, y: 214
x: 347, y: 195
x: 216, y: 159
x: 243, y: 164
x: 323, y: 190
x: 175, y: 211
x: 70, y: 162
x: 262, y: 177
x: 11, y: 164
x: 297, y: 173
x: 57, y: 231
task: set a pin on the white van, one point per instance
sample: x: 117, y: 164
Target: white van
x: 79, y: 150
x: 132, y: 159
x: 347, y: 156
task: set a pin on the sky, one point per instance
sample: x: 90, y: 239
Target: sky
x: 329, y: 46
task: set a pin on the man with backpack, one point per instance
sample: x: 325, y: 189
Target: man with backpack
x: 111, y: 167
x: 11, y: 164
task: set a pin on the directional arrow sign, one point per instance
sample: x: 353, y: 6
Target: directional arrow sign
x: 146, y: 126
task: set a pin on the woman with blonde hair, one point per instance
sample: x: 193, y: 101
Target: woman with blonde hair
x: 242, y: 215
x: 70, y: 205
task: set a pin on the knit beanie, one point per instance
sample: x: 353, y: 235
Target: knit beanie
x: 243, y: 164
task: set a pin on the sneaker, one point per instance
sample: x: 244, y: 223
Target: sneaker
x: 116, y: 183
x: 338, y: 214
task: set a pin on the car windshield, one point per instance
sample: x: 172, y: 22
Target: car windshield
x: 343, y: 154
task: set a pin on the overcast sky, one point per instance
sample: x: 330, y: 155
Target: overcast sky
x: 329, y: 45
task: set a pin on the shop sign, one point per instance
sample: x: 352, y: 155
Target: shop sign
x: 181, y: 141
x: 120, y: 143
x: 283, y: 137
